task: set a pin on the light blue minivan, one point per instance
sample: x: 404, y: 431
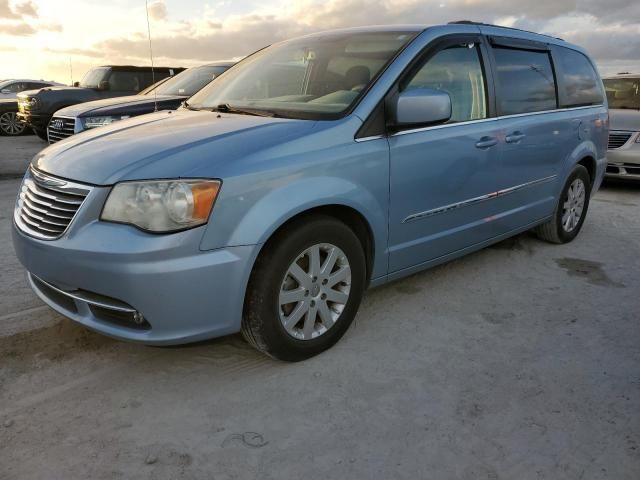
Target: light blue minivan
x: 311, y: 170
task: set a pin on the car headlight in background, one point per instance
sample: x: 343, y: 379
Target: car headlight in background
x: 162, y: 205
x: 93, y: 122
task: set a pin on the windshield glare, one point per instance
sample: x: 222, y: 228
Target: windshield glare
x: 190, y: 81
x: 93, y: 77
x: 317, y: 77
x: 623, y: 92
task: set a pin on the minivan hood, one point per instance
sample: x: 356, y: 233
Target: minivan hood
x: 623, y: 119
x: 167, y: 144
x: 109, y: 105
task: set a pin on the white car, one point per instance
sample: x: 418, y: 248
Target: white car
x: 10, y: 88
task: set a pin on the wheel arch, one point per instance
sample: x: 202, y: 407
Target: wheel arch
x: 589, y: 162
x: 348, y: 215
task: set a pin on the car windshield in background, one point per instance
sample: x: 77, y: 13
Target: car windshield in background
x: 190, y: 81
x: 316, y: 77
x: 623, y: 92
x: 93, y: 77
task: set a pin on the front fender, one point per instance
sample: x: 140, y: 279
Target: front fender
x: 259, y: 222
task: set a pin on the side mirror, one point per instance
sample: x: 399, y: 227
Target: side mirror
x: 104, y: 85
x: 76, y: 84
x: 422, y: 106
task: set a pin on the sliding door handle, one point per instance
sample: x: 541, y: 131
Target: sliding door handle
x: 486, y: 142
x: 514, y: 137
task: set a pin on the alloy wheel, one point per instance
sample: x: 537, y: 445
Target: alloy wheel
x: 314, y: 291
x: 573, y: 205
x: 10, y: 125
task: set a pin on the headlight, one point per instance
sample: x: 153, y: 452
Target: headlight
x: 163, y: 205
x: 93, y: 122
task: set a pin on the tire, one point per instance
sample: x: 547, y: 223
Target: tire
x: 9, y: 124
x: 556, y: 229
x: 270, y: 326
x: 42, y: 134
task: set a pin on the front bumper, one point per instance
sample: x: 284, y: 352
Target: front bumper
x: 101, y: 275
x: 624, y: 162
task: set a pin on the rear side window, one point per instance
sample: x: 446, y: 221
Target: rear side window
x: 124, y: 81
x: 456, y: 70
x: 525, y: 81
x: 581, y: 84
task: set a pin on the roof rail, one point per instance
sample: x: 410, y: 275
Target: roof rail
x: 471, y: 22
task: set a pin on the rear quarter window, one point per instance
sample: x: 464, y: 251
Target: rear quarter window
x: 525, y: 82
x: 580, y: 85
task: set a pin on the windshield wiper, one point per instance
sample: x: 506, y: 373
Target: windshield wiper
x: 226, y: 108
x: 186, y: 105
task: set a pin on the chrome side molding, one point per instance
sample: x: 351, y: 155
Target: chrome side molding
x: 472, y: 201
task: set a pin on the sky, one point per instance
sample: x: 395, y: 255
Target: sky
x: 61, y: 39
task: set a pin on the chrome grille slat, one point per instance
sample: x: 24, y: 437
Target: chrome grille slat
x: 40, y: 218
x: 60, y: 128
x: 37, y: 225
x: 48, y: 212
x: 39, y: 201
x: 47, y: 205
x: 618, y: 139
x: 61, y: 198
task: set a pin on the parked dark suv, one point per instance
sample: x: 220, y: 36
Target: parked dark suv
x: 35, y: 107
x: 166, y: 96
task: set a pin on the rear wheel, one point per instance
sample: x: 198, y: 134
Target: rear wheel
x: 10, y: 125
x: 305, y: 289
x: 571, y: 209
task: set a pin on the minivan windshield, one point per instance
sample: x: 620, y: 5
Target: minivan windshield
x: 190, y: 81
x: 623, y: 92
x: 316, y: 77
x: 93, y: 77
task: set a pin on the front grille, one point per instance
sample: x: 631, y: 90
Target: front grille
x: 623, y: 169
x: 60, y: 127
x: 46, y: 205
x: 618, y: 139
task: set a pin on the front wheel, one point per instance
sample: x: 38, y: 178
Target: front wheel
x: 305, y: 289
x: 10, y: 125
x: 571, y: 209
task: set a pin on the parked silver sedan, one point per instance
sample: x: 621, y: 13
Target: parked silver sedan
x: 623, y: 155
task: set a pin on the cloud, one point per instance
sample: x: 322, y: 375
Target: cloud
x: 158, y: 10
x: 610, y: 29
x: 26, y: 9
x: 18, y: 29
x: 6, y: 11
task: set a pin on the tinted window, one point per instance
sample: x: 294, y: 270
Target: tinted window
x: 14, y: 87
x: 581, y: 84
x: 457, y: 71
x: 93, y: 77
x: 525, y: 81
x: 123, y: 81
x: 623, y: 92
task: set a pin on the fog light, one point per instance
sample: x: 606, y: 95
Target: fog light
x: 138, y: 318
